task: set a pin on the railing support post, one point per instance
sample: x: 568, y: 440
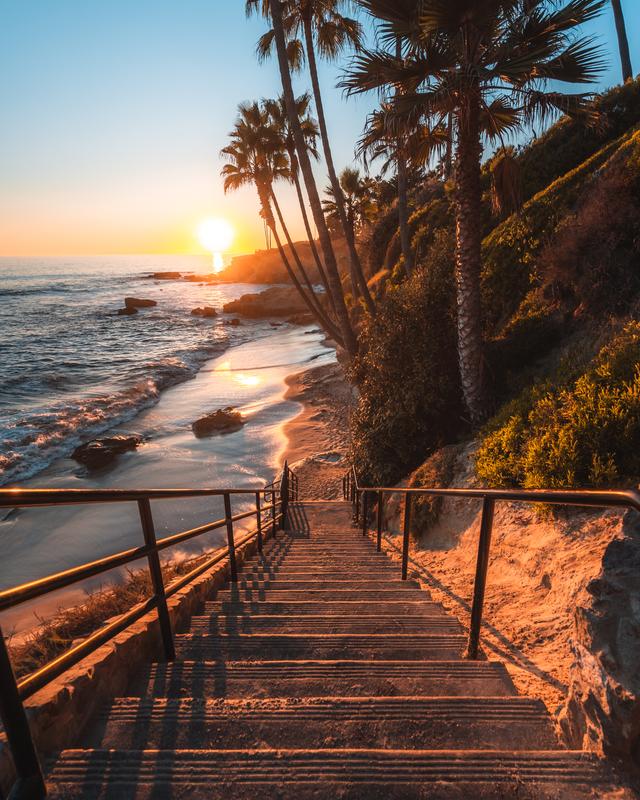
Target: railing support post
x: 230, y: 541
x: 284, y: 495
x: 259, y: 521
x: 405, y: 537
x: 365, y: 512
x: 379, y: 532
x: 155, y: 570
x: 484, y: 545
x: 357, y: 508
x: 274, y: 524
x: 16, y: 727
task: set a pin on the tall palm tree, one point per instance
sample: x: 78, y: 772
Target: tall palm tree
x: 312, y: 25
x: 331, y: 265
x: 623, y: 42
x: 277, y: 111
x: 488, y: 65
x: 357, y: 193
x: 400, y: 148
x: 255, y: 157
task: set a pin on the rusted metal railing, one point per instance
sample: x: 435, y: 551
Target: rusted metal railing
x: 271, y: 507
x: 359, y: 496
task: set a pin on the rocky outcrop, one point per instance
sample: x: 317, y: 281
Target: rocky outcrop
x: 127, y: 311
x: 165, y: 276
x: 276, y: 302
x: 602, y: 712
x: 102, y: 452
x: 224, y: 420
x: 205, y: 311
x: 137, y: 302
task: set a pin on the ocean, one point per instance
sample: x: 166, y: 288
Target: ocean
x: 71, y: 369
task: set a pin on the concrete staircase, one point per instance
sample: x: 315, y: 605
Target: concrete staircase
x: 322, y: 675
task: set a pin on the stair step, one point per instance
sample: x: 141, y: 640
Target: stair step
x: 362, y: 595
x: 304, y: 774
x: 309, y: 624
x: 315, y: 584
x: 411, y: 723
x: 277, y: 647
x: 395, y: 608
x: 325, y: 678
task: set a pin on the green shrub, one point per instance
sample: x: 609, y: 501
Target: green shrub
x: 584, y: 433
x: 407, y: 372
x: 436, y: 473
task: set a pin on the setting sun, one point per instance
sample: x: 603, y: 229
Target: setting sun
x: 216, y: 235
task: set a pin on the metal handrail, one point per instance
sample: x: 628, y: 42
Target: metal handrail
x: 585, y: 498
x: 272, y: 512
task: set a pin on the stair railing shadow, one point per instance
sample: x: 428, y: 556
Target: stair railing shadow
x: 508, y: 651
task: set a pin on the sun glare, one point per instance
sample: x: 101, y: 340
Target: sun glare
x: 216, y: 236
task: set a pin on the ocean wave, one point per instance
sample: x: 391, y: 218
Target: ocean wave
x: 34, y: 441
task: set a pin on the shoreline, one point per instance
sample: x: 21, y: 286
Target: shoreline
x: 317, y: 438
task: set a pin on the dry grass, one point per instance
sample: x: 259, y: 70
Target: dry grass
x: 55, y: 635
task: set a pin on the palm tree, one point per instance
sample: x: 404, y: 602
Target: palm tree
x: 488, y: 65
x: 400, y: 148
x: 357, y: 193
x: 256, y: 157
x: 277, y: 112
x: 322, y: 26
x: 331, y: 266
x: 623, y: 42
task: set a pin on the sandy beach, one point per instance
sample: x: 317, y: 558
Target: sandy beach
x: 318, y: 438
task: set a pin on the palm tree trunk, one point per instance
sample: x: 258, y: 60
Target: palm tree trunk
x: 296, y: 256
x: 310, y: 236
x: 358, y: 281
x: 623, y: 42
x: 403, y: 213
x: 320, y: 318
x: 468, y: 258
x: 348, y: 336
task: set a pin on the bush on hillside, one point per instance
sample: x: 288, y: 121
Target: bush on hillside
x: 436, y: 473
x: 583, y: 433
x: 407, y: 373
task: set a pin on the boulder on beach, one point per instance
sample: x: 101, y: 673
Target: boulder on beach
x: 165, y: 276
x: 205, y: 311
x: 127, y: 311
x: 235, y: 322
x: 101, y: 452
x: 224, y: 420
x: 279, y: 301
x: 137, y: 302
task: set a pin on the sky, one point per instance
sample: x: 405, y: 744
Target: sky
x: 114, y: 114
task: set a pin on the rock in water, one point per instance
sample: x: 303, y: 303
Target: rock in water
x: 101, y: 452
x: 166, y: 276
x: 225, y: 420
x: 206, y: 311
x: 136, y: 302
x: 127, y: 311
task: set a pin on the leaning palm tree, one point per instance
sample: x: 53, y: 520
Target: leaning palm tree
x: 279, y: 118
x: 623, y: 42
x: 310, y: 26
x: 330, y: 262
x: 488, y: 65
x: 255, y: 157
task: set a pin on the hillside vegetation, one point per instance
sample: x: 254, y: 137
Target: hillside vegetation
x: 560, y: 282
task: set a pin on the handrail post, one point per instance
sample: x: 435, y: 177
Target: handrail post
x: 259, y: 521
x: 405, y: 537
x: 155, y: 570
x: 484, y: 546
x: 231, y: 544
x: 16, y: 727
x: 365, y: 512
x: 379, y: 539
x: 284, y: 496
x: 274, y: 524
x: 357, y: 508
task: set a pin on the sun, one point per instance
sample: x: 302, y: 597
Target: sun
x: 216, y: 235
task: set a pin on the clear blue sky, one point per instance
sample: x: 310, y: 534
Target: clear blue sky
x: 113, y: 114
